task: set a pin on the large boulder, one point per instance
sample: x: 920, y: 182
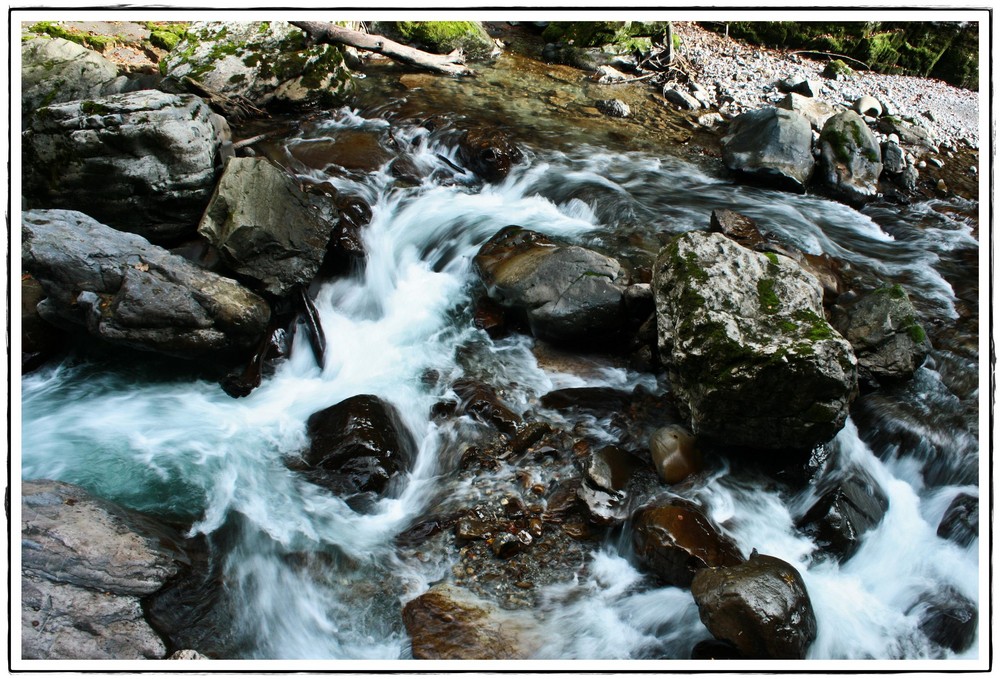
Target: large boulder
x: 265, y: 227
x: 359, y: 449
x: 882, y: 326
x: 850, y: 157
x: 448, y: 623
x: 144, y: 162
x: 749, y: 355
x: 54, y: 70
x: 849, y: 504
x: 674, y: 539
x: 126, y: 291
x: 770, y: 146
x: 567, y: 293
x: 268, y: 63
x: 86, y: 565
x: 761, y: 607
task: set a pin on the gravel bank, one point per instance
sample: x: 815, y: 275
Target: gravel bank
x: 749, y: 75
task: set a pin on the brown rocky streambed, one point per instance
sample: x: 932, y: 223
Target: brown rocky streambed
x: 509, y: 377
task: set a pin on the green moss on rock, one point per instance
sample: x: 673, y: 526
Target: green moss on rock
x: 446, y: 36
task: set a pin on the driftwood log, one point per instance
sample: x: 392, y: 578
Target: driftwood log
x: 449, y: 64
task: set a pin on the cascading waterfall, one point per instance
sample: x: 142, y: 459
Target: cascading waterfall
x: 310, y: 578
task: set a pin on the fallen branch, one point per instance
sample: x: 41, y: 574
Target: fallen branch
x: 448, y: 64
x: 235, y: 107
x: 831, y: 54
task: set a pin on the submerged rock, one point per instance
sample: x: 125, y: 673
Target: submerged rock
x: 850, y: 157
x: 359, y: 449
x: 948, y: 619
x: 265, y: 227
x: 675, y: 539
x: 748, y: 353
x: 144, y: 162
x: 449, y: 623
x: 848, y: 506
x: 761, y: 607
x: 126, y: 291
x: 86, y: 563
x: 770, y: 146
x: 268, y: 63
x: 882, y: 326
x: 488, y: 152
x: 568, y: 293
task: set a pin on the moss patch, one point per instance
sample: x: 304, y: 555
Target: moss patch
x: 446, y: 36
x: 769, y: 302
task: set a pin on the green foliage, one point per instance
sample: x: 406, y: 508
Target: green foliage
x: 55, y: 30
x: 601, y: 33
x: 940, y: 49
x: 445, y: 36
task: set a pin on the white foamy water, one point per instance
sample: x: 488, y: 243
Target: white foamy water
x: 185, y: 449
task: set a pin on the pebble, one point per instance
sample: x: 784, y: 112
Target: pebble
x: 936, y: 162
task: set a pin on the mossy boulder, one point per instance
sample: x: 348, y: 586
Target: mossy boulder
x: 54, y: 70
x: 750, y: 357
x: 884, y: 330
x: 850, y: 157
x: 268, y: 63
x: 613, y: 36
x: 443, y: 37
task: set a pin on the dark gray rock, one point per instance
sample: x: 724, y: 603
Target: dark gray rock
x: 54, y: 71
x: 770, y: 146
x: 882, y: 326
x: 269, y: 63
x: 568, y: 293
x: 948, y: 619
x: 850, y: 157
x: 749, y: 355
x: 674, y: 539
x: 85, y: 565
x: 265, y: 227
x: 761, y: 607
x: 126, y: 291
x: 801, y: 86
x: 960, y: 522
x: 359, y: 449
x: 144, y: 162
x: 849, y: 505
x: 893, y: 158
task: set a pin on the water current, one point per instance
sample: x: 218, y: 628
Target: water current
x: 308, y: 577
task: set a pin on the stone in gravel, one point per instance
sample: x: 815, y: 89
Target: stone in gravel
x: 936, y: 162
x: 710, y: 119
x: 607, y: 74
x: 868, y: 106
x: 771, y: 146
x: 681, y: 99
x: 615, y: 108
x: 701, y: 94
x: 802, y: 86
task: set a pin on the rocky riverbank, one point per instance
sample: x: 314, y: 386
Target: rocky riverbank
x: 147, y: 227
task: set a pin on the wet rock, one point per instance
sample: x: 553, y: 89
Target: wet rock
x: 607, y: 74
x: 39, y: 340
x: 713, y: 649
x: 960, y: 523
x: 265, y: 227
x: 761, y: 607
x: 882, y: 326
x: 569, y: 294
x: 750, y: 357
x: 675, y: 453
x: 737, y: 227
x: 490, y: 153
x: 674, y: 539
x: 359, y: 449
x: 449, y: 623
x: 816, y: 111
x: 86, y: 564
x: 893, y: 161
x: 868, y: 106
x: 357, y: 150
x: 490, y: 317
x: 124, y: 290
x: 479, y: 400
x: 849, y: 505
x: 264, y: 63
x: 610, y: 468
x: 850, y: 157
x: 54, y: 70
x: 681, y: 99
x: 616, y: 108
x: 145, y: 162
x: 770, y: 146
x: 948, y: 619
x: 587, y: 398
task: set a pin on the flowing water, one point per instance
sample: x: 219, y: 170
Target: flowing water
x: 307, y: 577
